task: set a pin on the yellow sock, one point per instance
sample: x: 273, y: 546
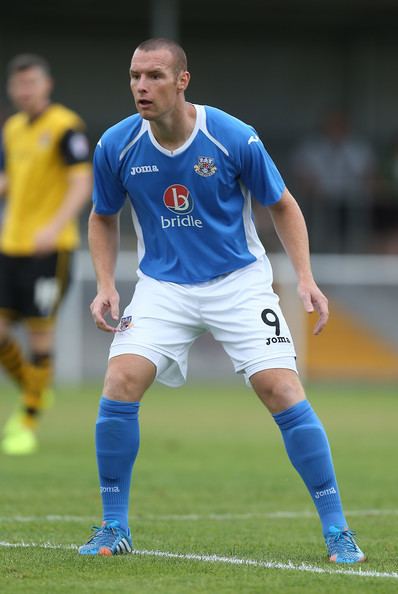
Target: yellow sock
x: 37, y: 377
x: 12, y: 360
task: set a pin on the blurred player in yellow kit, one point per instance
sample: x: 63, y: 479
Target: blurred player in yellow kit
x: 45, y: 178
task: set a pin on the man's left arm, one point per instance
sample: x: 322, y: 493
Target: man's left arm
x: 76, y: 196
x: 74, y: 148
x: 290, y: 226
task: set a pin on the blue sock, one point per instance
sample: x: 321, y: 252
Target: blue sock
x: 308, y: 449
x: 117, y: 439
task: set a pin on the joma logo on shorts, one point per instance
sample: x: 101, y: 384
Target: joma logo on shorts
x: 109, y: 489
x: 144, y: 169
x: 331, y: 491
x: 276, y: 339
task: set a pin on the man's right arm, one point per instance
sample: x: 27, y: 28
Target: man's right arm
x: 103, y: 237
x: 3, y: 184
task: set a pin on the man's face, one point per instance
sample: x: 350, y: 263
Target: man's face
x: 154, y: 82
x: 30, y: 89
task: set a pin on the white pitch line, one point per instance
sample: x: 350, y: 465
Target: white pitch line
x: 48, y: 518
x: 261, y: 515
x: 37, y: 545
x: 199, y: 517
x: 289, y: 566
x: 268, y: 564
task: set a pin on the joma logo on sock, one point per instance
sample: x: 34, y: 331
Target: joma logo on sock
x: 109, y: 490
x: 331, y: 491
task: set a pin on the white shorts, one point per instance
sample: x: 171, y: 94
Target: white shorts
x: 240, y: 310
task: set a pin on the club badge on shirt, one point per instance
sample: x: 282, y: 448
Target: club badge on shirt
x: 44, y: 140
x: 205, y: 166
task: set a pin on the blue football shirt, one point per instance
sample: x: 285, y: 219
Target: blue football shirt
x: 192, y: 206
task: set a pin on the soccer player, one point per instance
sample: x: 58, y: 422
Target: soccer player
x: 45, y: 176
x: 189, y: 172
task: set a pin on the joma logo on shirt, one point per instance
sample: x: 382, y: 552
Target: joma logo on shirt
x: 144, y: 169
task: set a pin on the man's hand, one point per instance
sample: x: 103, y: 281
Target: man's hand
x: 314, y: 300
x: 106, y: 301
x: 3, y: 184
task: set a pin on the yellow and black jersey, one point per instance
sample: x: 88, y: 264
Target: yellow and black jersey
x: 38, y: 156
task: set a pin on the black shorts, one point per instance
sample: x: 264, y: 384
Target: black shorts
x: 33, y: 287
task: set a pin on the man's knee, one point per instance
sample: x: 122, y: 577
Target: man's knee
x: 128, y: 377
x: 278, y: 389
x: 41, y: 341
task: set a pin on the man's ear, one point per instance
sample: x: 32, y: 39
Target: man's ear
x: 183, y: 80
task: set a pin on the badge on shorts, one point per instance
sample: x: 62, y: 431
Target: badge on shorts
x: 205, y: 166
x: 125, y: 323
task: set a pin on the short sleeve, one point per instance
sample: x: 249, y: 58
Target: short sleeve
x: 75, y: 147
x: 108, y: 193
x: 258, y: 171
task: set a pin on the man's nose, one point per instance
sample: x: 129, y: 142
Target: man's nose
x: 142, y: 84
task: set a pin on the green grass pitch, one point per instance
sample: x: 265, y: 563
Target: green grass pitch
x: 213, y: 492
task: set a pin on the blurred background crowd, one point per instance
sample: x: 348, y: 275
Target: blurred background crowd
x: 347, y: 187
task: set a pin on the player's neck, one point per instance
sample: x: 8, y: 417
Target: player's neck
x: 175, y: 128
x: 37, y: 110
